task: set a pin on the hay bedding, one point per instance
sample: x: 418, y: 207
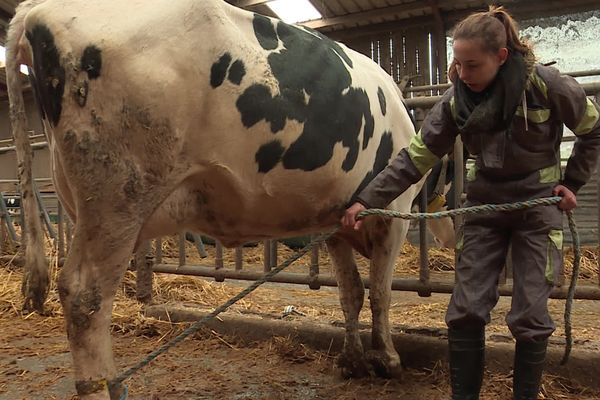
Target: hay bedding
x: 225, y: 367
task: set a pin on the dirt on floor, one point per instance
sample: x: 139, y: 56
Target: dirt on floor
x: 35, y: 363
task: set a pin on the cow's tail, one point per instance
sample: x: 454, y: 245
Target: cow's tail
x: 36, y: 276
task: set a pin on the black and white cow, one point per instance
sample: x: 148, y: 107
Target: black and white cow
x: 165, y: 116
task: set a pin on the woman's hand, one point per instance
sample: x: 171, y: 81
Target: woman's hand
x: 569, y: 200
x: 349, y: 219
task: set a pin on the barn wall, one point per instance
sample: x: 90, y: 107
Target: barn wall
x: 8, y: 161
x: 406, y: 52
x: 33, y: 117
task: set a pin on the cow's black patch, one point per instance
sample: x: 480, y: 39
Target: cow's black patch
x: 265, y: 32
x: 218, y: 70
x: 91, y: 61
x: 382, y: 158
x: 314, y: 89
x: 269, y: 155
x: 49, y: 73
x: 381, y: 97
x: 236, y: 72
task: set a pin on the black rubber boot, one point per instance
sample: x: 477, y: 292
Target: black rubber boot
x: 529, y: 365
x: 467, y: 358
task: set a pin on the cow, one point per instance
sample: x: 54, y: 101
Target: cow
x: 197, y: 115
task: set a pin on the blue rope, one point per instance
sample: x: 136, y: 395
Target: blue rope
x: 486, y: 208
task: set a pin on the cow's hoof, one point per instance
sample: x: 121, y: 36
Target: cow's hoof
x: 384, y: 365
x: 354, y: 367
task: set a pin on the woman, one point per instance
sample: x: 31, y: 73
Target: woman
x: 509, y: 112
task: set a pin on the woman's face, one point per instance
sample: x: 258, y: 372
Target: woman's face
x: 475, y: 66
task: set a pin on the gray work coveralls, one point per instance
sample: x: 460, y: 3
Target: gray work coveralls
x: 530, y: 169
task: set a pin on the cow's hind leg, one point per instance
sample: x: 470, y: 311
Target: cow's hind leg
x: 385, y: 237
x: 87, y: 286
x: 352, y: 362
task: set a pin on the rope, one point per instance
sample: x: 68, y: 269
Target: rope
x: 572, y: 285
x: 198, y: 324
x: 486, y: 208
x: 481, y: 209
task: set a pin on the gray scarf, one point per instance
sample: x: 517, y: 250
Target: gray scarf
x: 491, y: 117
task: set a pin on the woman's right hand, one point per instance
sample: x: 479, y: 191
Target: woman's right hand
x: 349, y: 219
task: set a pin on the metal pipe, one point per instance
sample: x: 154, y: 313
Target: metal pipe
x: 423, y: 250
x: 219, y: 255
x: 17, y: 181
x: 239, y: 258
x: 583, y: 292
x: 591, y: 88
x: 313, y: 272
x: 182, y: 249
x: 61, y: 232
x: 598, y: 203
x: 34, y: 146
x: 158, y: 251
x: 444, y: 86
x: 266, y: 255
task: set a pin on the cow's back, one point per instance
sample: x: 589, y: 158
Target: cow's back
x: 247, y: 126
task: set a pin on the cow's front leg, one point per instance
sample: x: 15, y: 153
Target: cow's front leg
x: 352, y: 362
x: 87, y: 286
x: 386, y: 237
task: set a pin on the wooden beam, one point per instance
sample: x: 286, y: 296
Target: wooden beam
x: 375, y: 29
x: 366, y: 15
x: 532, y: 9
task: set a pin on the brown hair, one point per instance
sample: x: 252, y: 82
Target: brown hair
x: 494, y: 28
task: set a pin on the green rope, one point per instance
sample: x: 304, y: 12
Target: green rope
x: 321, y: 238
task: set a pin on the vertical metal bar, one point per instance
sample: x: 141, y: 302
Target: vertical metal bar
x: 3, y: 236
x: 423, y: 248
x: 199, y: 245
x: 182, y: 249
x: 239, y: 258
x: 598, y: 208
x: 273, y: 249
x: 61, y: 232
x: 68, y: 233
x: 22, y: 219
x: 219, y: 255
x: 459, y: 174
x: 7, y: 218
x: 314, y: 267
x: 266, y: 256
x: 598, y: 204
x: 43, y: 212
x: 158, y: 250
x: 143, y: 273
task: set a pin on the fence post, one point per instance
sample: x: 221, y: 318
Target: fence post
x: 61, y: 231
x: 182, y: 249
x: 314, y: 267
x: 143, y: 273
x: 423, y: 247
x: 239, y: 258
x: 266, y: 255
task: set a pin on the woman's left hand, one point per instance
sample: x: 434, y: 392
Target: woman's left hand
x: 569, y: 200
